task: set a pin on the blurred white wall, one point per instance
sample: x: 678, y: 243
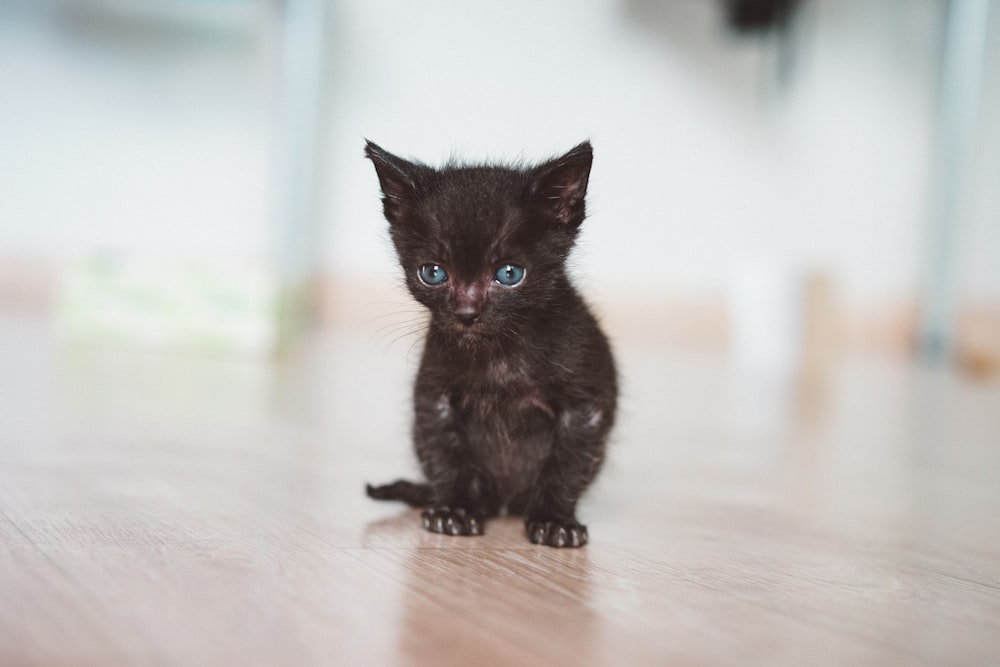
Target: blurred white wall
x: 979, y: 244
x: 124, y: 135
x: 135, y: 125
x: 701, y: 164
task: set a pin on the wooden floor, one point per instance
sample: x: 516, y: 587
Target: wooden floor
x: 189, y: 512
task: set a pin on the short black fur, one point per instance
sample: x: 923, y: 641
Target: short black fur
x: 517, y: 389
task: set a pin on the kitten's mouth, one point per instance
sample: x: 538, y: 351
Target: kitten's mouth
x: 468, y: 330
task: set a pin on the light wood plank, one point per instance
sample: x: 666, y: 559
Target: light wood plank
x: 179, y: 512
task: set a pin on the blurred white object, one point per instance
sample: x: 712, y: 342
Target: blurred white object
x: 767, y: 318
x: 964, y: 59
x: 169, y: 304
x: 301, y: 144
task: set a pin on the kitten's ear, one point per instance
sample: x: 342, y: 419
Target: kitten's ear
x: 560, y: 185
x: 399, y: 180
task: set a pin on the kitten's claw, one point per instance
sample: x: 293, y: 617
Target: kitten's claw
x: 449, y: 521
x: 556, y: 534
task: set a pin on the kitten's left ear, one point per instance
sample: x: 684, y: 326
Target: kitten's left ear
x: 560, y: 185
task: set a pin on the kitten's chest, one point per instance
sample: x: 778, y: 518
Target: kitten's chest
x: 508, y: 422
x: 503, y: 389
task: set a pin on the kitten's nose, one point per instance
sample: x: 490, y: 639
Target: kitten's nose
x: 468, y: 303
x: 467, y: 316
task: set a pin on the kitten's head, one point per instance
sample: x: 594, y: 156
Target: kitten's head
x: 484, y: 248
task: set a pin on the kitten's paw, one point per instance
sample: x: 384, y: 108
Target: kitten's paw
x: 557, y: 533
x: 449, y: 521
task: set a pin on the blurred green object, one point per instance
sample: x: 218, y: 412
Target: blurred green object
x: 169, y: 304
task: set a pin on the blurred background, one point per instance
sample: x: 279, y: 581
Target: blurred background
x: 793, y: 241
x: 784, y: 181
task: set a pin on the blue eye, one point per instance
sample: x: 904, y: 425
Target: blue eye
x: 432, y: 274
x: 509, y: 275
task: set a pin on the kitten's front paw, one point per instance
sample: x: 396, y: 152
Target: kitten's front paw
x: 449, y: 521
x: 557, y: 533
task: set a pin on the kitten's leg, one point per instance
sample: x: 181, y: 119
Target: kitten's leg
x: 576, y: 456
x: 461, y: 496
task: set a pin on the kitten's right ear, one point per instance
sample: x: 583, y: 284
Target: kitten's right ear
x: 399, y: 181
x: 560, y: 185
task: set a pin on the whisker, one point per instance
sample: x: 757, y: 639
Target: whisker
x: 416, y: 331
x: 399, y: 332
x: 409, y: 350
x: 395, y: 327
x: 382, y: 316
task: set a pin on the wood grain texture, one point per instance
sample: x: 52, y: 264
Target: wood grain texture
x: 199, y: 512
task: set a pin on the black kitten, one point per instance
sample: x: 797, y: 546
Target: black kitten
x: 517, y: 388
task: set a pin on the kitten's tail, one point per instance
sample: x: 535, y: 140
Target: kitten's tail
x: 411, y: 493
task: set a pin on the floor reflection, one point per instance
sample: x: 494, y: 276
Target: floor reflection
x: 460, y: 592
